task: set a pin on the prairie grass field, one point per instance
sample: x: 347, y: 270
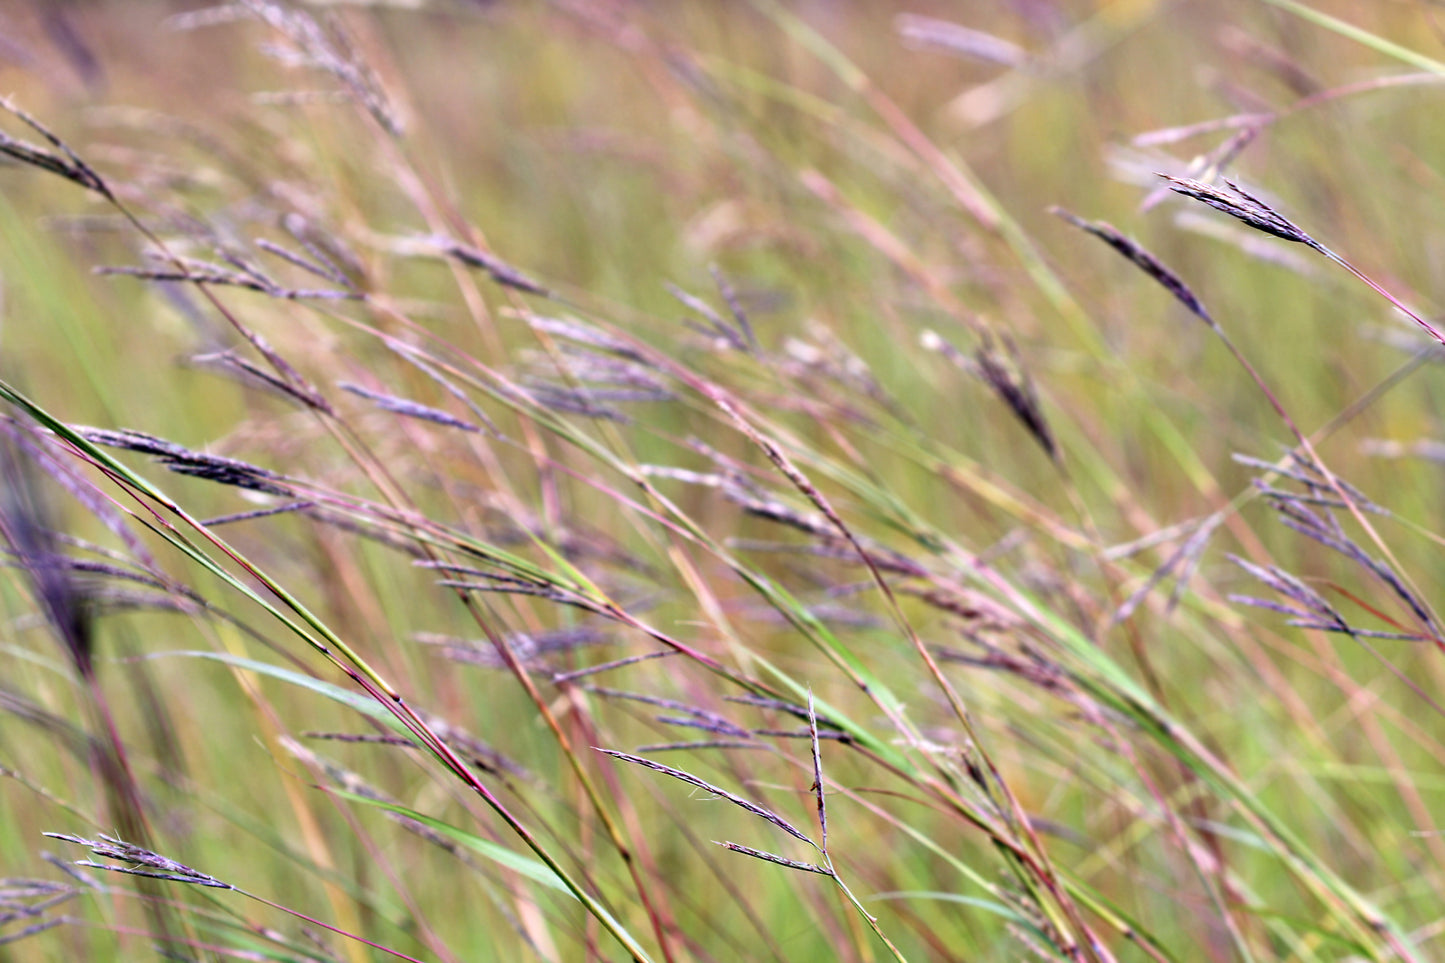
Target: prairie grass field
x: 708, y: 481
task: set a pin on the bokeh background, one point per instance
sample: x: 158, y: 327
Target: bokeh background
x: 875, y: 189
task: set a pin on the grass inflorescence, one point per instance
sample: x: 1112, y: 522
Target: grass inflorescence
x: 425, y: 430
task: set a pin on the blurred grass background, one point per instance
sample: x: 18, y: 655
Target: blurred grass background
x: 611, y: 148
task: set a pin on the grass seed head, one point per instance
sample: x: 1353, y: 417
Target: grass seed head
x: 1239, y: 203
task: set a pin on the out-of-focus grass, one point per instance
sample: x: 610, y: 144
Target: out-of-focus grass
x: 609, y: 150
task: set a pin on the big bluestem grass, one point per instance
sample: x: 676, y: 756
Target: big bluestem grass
x: 692, y: 504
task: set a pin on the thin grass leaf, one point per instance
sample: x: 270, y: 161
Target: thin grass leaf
x: 1371, y: 40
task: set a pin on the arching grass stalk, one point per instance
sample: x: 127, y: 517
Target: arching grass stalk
x: 315, y: 633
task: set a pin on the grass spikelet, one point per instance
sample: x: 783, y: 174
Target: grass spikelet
x: 184, y: 461
x: 407, y: 407
x: 744, y: 804
x: 1002, y: 371
x: 1239, y: 204
x: 139, y: 861
x: 1142, y: 259
x: 63, y: 162
x: 931, y: 33
x: 775, y: 858
x: 32, y: 543
x: 499, y: 270
x: 309, y: 44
